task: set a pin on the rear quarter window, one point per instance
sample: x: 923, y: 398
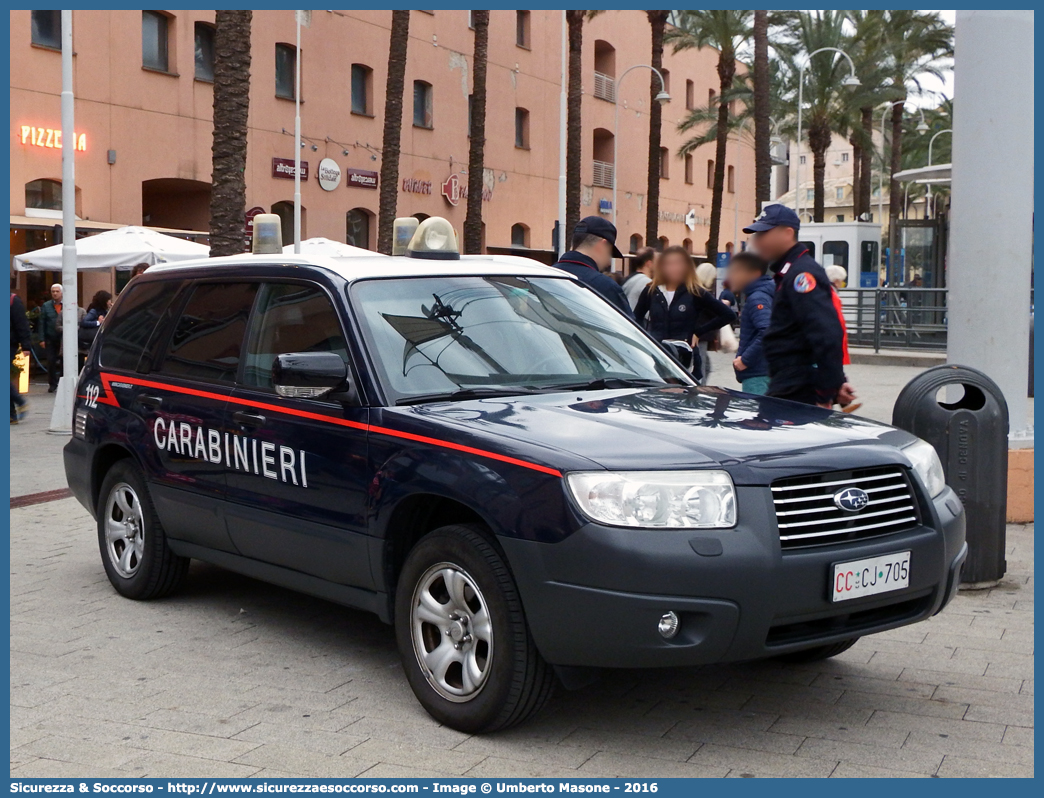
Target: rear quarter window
x: 127, y: 333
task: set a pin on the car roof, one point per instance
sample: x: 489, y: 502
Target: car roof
x: 375, y: 266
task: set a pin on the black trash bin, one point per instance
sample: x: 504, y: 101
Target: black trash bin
x: 971, y: 437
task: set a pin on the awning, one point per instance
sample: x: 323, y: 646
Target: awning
x: 939, y: 173
x: 88, y: 226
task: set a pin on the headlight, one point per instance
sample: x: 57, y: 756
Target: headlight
x: 662, y: 499
x: 927, y: 465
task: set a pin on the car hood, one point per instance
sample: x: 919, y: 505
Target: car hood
x: 667, y: 428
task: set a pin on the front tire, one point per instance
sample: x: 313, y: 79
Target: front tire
x: 819, y: 652
x: 462, y: 634
x: 134, y: 550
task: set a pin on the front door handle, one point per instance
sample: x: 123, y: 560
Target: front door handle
x: 248, y: 419
x: 150, y: 401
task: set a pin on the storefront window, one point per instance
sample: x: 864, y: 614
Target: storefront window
x: 44, y: 195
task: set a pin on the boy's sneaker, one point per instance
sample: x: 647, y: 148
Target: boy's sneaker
x: 21, y: 411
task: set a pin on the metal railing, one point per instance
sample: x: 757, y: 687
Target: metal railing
x: 895, y: 318
x: 603, y: 174
x: 604, y: 87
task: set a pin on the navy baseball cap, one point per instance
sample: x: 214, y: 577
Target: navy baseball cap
x: 597, y: 226
x: 774, y: 216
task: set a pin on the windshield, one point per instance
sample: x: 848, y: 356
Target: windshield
x: 451, y: 337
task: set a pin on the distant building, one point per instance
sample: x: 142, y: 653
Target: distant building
x: 143, y: 84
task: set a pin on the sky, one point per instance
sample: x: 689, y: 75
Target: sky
x: 933, y: 84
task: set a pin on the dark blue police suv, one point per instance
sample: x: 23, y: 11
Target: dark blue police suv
x: 495, y: 461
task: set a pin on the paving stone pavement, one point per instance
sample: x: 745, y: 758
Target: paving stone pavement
x: 236, y: 678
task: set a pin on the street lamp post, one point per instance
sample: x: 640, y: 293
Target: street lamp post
x: 928, y: 186
x: 563, y: 122
x: 921, y: 128
x: 851, y: 80
x: 662, y: 98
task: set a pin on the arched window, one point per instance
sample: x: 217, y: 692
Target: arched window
x: 687, y: 243
x: 728, y: 248
x: 44, y: 194
x: 662, y: 243
x: 636, y: 243
x: 357, y: 228
x: 605, y: 71
x: 420, y: 217
x: 175, y: 202
x: 285, y: 211
x: 519, y: 235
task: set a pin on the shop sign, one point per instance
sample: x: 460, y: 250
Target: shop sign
x: 362, y: 178
x: 284, y: 168
x: 329, y: 174
x: 605, y: 206
x: 249, y: 228
x: 413, y: 185
x: 50, y: 138
x: 454, y: 190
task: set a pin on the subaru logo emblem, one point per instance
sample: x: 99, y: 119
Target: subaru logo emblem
x: 851, y: 500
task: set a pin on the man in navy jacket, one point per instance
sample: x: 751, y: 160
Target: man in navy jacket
x: 748, y: 276
x: 594, y: 247
x: 803, y: 343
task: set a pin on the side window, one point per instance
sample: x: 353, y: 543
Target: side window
x: 290, y: 317
x: 128, y: 331
x: 208, y: 337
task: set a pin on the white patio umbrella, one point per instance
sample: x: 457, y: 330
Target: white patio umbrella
x: 123, y: 248
x: 328, y: 248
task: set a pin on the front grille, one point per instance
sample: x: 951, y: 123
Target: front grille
x: 807, y: 516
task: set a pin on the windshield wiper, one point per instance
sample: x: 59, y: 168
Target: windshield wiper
x: 608, y: 383
x: 465, y: 393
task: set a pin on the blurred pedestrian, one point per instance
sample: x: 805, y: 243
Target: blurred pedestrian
x: 748, y: 274
x: 838, y: 277
x: 92, y: 320
x: 21, y: 338
x: 707, y: 277
x: 51, y: 335
x: 674, y: 307
x: 804, y: 341
x: 594, y: 247
x: 641, y: 274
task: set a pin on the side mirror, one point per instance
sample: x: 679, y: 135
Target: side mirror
x: 308, y: 375
x: 680, y: 351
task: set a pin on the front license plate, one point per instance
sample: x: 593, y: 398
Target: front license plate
x: 871, y: 576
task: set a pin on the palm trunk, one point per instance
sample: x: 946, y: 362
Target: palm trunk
x: 726, y: 72
x: 657, y: 21
x: 229, y: 148
x: 574, y: 132
x: 895, y: 198
x: 476, y: 150
x: 857, y: 165
x: 866, y: 169
x: 762, y: 102
x: 818, y: 141
x: 399, y: 38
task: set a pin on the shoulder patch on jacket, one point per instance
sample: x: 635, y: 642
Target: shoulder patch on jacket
x: 804, y: 283
x: 761, y: 307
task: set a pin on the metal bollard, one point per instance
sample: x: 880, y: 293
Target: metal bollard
x: 971, y: 437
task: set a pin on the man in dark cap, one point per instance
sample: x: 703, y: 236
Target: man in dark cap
x: 594, y: 247
x: 803, y: 343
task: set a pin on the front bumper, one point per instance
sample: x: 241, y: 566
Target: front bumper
x: 595, y: 598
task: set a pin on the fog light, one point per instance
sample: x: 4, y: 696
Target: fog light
x: 668, y: 626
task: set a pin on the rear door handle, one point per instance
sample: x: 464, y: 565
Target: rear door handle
x: 248, y: 419
x: 150, y: 401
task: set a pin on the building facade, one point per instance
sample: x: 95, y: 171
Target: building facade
x: 144, y: 95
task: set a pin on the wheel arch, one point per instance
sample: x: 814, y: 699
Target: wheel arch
x: 104, y: 459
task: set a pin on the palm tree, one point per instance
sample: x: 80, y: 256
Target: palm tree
x: 762, y: 112
x: 231, y: 110
x: 869, y: 59
x: 724, y: 31
x: 574, y: 131
x: 915, y: 44
x: 477, y: 146
x: 658, y: 22
x: 398, y: 40
x: 824, y: 95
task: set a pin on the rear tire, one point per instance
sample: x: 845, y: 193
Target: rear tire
x: 134, y: 550
x: 819, y: 652
x: 462, y: 634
